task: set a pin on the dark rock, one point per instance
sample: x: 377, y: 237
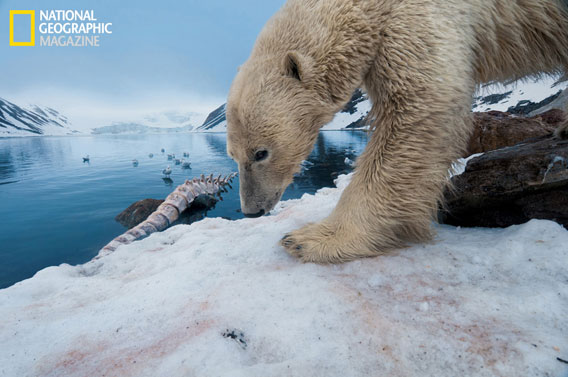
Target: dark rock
x: 525, y: 107
x: 511, y: 186
x: 198, y: 209
x: 356, y: 98
x: 237, y: 335
x: 495, y: 129
x: 359, y: 123
x: 137, y: 212
x: 561, y: 102
x: 492, y: 99
x: 203, y: 202
x: 216, y: 117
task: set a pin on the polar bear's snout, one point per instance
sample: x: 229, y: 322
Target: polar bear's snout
x: 257, y: 199
x: 258, y: 214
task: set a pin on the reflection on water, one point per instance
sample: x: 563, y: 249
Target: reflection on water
x: 57, y: 209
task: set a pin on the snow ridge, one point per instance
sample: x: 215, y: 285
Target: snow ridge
x: 34, y: 120
x: 520, y: 97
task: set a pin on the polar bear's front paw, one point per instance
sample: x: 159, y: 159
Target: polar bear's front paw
x: 317, y: 243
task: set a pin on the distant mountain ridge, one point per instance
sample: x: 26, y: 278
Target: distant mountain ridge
x: 137, y: 128
x: 216, y: 120
x: 32, y: 121
x: 521, y: 98
x: 352, y: 116
x: 156, y: 123
x: 526, y: 97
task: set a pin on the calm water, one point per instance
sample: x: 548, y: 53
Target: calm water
x: 56, y: 209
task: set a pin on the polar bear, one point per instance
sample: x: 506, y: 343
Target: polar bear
x: 419, y: 62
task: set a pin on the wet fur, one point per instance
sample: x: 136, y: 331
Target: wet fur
x: 419, y: 61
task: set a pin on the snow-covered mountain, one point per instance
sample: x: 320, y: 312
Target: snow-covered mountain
x: 352, y: 116
x: 521, y: 97
x: 163, y: 122
x: 215, y: 122
x: 32, y: 121
x: 124, y: 128
x: 525, y: 97
x: 173, y: 119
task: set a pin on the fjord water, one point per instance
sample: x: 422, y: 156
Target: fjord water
x: 56, y: 209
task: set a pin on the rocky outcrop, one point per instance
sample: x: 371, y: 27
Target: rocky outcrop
x: 560, y: 102
x: 525, y: 107
x: 495, y: 129
x: 511, y: 186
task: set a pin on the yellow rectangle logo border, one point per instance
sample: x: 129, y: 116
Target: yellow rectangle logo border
x: 32, y: 27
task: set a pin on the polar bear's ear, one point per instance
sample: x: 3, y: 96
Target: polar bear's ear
x: 293, y: 65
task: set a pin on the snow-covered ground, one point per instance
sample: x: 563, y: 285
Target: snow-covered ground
x: 221, y: 298
x: 458, y: 167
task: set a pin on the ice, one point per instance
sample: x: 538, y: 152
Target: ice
x: 473, y: 302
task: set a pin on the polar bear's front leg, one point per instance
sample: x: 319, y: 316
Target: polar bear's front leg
x: 387, y: 205
x: 421, y: 106
x: 354, y: 230
x: 394, y: 194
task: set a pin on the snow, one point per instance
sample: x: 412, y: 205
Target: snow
x: 340, y: 121
x: 221, y: 127
x: 48, y: 129
x: 174, y: 119
x: 529, y: 89
x: 221, y: 298
x: 343, y: 119
x: 459, y: 166
x: 55, y: 124
x: 534, y: 90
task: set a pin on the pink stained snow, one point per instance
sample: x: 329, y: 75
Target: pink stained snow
x: 474, y: 302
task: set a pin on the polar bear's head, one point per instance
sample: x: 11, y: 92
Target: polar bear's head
x: 274, y: 111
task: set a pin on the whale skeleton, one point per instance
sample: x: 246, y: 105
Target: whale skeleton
x: 169, y: 211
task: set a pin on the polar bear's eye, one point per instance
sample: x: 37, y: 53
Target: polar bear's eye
x: 261, y: 155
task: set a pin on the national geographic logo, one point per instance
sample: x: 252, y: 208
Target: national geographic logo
x: 57, y: 28
x: 31, y: 14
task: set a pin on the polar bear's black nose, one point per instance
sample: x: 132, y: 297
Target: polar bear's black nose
x: 258, y: 214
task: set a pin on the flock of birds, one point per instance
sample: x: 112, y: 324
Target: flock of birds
x: 168, y: 170
x: 187, y: 165
x: 178, y: 161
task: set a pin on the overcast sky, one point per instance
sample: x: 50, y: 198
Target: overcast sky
x: 162, y: 54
